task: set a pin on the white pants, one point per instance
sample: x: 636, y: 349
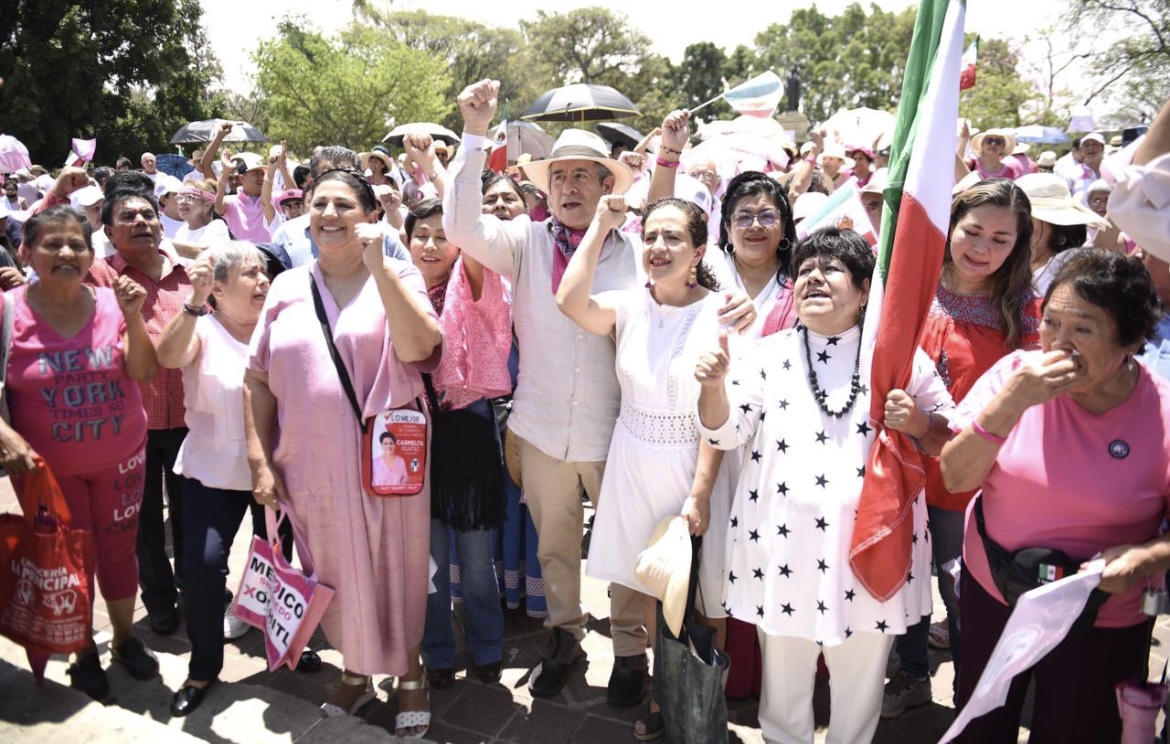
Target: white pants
x: 857, y: 672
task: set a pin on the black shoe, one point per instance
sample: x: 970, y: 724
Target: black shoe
x: 87, y: 675
x: 441, y: 679
x: 188, y: 698
x: 139, y: 662
x: 489, y: 673
x: 627, y: 682
x: 550, y: 675
x: 309, y: 662
x: 164, y: 622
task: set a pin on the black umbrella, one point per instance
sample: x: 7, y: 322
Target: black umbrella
x: 197, y: 132
x: 619, y: 134
x: 435, y: 131
x: 580, y: 102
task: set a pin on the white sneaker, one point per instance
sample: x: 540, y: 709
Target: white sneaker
x: 233, y: 627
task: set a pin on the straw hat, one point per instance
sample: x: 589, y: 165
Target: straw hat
x: 578, y: 144
x: 1053, y: 203
x: 379, y: 152
x: 1047, y: 159
x: 1008, y: 137
x: 807, y: 204
x: 664, y: 568
x: 835, y: 150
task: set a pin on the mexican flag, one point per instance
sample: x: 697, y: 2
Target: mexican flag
x: 498, y: 158
x: 913, y: 238
x: 967, y: 66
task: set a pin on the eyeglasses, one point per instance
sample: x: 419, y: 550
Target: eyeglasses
x: 744, y: 220
x: 993, y: 140
x: 705, y: 176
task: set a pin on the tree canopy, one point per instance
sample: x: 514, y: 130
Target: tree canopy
x: 98, y: 70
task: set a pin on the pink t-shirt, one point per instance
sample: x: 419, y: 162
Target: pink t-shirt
x: 244, y: 216
x: 71, y: 398
x: 1010, y: 169
x: 1074, y: 481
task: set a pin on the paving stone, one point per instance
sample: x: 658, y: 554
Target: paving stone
x: 543, y: 723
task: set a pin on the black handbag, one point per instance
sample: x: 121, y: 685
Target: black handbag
x: 689, y: 672
x: 1019, y: 571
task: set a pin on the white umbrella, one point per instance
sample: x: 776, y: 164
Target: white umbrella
x: 859, y: 127
x: 527, y: 137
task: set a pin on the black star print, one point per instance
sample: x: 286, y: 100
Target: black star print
x: 782, y: 530
x: 783, y: 405
x: 785, y: 571
x: 849, y: 595
x: 759, y: 611
x: 822, y: 524
x: 763, y: 374
x: 753, y: 495
x: 735, y: 521
x: 821, y: 607
x: 848, y: 632
x: 755, y: 455
x: 754, y: 535
x: 782, y: 489
x: 910, y: 578
x: 914, y: 538
x: 758, y: 573
x: 822, y: 481
x: 787, y: 365
x: 864, y: 429
x: 713, y: 442
x: 822, y: 566
x: 731, y: 577
x: 861, y: 472
x: 823, y: 357
x: 832, y: 341
x: 762, y: 414
x: 746, y: 408
x: 735, y: 382
x: 882, y: 625
x: 782, y: 446
x: 864, y: 389
x: 822, y: 437
x: 787, y: 609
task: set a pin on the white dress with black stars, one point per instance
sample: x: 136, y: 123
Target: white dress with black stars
x: 792, y: 515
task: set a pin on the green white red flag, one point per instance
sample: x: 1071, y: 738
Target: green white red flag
x: 498, y: 157
x: 967, y: 67
x: 913, y: 238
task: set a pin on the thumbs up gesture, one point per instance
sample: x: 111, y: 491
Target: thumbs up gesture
x: 712, y: 367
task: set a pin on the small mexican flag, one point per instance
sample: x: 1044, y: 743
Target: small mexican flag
x: 498, y: 159
x: 967, y: 66
x: 913, y: 238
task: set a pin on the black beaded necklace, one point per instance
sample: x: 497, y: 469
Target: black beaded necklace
x: 820, y: 395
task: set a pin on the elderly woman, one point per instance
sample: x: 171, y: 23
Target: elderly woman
x: 304, y: 438
x: 208, y: 341
x: 473, y: 308
x: 200, y: 229
x: 657, y: 464
x: 983, y: 309
x: 1059, y: 225
x: 1069, y: 445
x: 991, y: 150
x: 77, y: 355
x: 799, y: 406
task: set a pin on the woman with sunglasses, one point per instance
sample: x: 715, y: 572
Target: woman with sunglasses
x: 201, y: 229
x: 992, y: 150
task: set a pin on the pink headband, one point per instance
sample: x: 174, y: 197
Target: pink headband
x: 197, y: 193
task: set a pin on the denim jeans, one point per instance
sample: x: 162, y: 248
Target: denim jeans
x: 483, y: 618
x: 946, y: 542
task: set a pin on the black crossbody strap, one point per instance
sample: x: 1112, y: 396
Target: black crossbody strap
x: 342, y: 373
x: 432, y: 397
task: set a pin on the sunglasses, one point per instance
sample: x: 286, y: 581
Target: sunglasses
x: 766, y: 218
x: 993, y: 140
x: 705, y: 176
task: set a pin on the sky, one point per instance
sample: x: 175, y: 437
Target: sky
x: 235, y: 28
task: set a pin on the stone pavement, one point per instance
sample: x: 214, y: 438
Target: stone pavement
x: 255, y: 706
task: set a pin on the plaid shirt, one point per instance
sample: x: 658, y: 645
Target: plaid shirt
x: 162, y: 396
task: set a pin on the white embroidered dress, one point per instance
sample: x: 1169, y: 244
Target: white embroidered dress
x: 655, y: 445
x: 792, y: 516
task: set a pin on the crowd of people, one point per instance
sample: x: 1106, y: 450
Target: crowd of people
x: 643, y: 330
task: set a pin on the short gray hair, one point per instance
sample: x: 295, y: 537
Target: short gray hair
x: 225, y: 255
x: 602, y: 172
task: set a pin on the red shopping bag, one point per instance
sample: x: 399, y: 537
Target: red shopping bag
x: 46, y: 601
x: 279, y: 599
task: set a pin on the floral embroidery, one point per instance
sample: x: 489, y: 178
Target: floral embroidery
x: 980, y: 311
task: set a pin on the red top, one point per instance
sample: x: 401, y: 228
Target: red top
x: 163, y: 395
x: 964, y: 336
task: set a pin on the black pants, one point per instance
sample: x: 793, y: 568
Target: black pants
x: 211, y: 519
x: 158, y: 582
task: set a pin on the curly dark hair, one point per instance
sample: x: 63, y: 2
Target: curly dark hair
x: 751, y: 183
x: 1011, y: 283
x: 696, y: 228
x: 421, y: 211
x: 846, y: 246
x: 1119, y: 285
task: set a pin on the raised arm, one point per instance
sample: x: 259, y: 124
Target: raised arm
x: 588, y: 311
x: 221, y: 186
x: 179, y: 345
x: 212, y: 151
x: 421, y: 149
x: 676, y: 131
x: 141, y: 362
x: 266, y: 190
x: 414, y: 331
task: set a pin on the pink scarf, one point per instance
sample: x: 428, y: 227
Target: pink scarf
x: 565, y: 242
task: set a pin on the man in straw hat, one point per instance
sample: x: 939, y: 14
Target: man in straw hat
x: 567, y: 398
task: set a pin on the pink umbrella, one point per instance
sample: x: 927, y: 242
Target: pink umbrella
x: 13, y: 154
